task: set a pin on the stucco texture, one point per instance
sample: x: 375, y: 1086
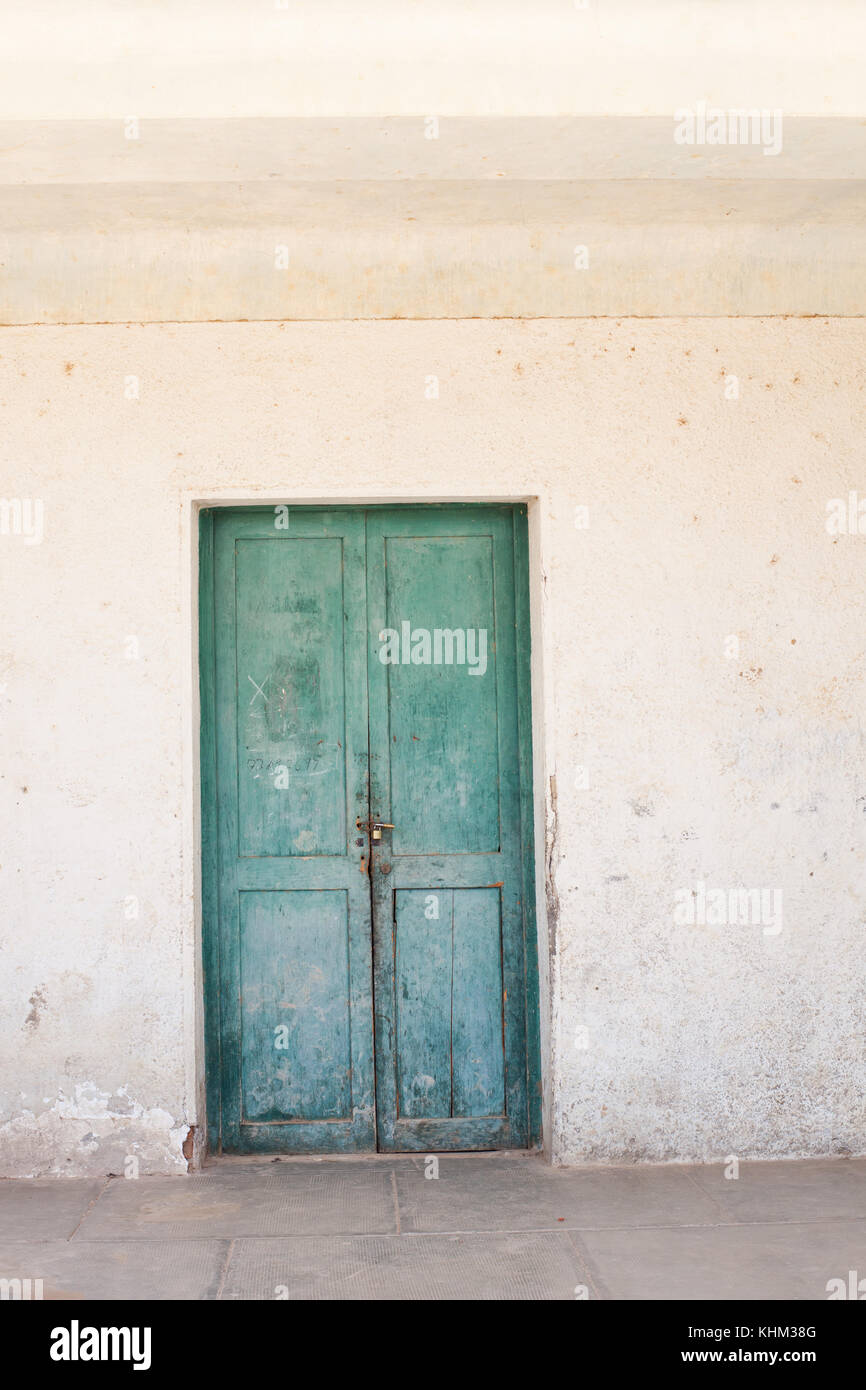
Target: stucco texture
x: 737, y: 765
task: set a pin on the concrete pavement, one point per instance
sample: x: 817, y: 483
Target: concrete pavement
x: 489, y: 1226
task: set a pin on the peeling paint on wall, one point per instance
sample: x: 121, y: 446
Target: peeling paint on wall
x: 92, y: 1133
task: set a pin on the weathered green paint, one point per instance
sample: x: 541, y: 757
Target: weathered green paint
x: 522, y: 627
x: 312, y: 941
x: 209, y: 854
x: 478, y: 1080
x: 445, y: 770
x: 293, y: 915
x: 294, y: 966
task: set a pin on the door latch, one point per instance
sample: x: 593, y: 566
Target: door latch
x: 375, y: 827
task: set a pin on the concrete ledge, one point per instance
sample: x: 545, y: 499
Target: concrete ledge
x: 370, y: 149
x: 165, y: 252
x: 305, y: 219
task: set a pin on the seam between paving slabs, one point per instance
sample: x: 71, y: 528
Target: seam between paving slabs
x: 225, y: 1270
x: 87, y: 1210
x: 733, y: 1224
x: 704, y: 1193
x: 588, y: 1269
x: 482, y: 1231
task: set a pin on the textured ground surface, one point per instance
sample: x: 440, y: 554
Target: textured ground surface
x: 488, y: 1227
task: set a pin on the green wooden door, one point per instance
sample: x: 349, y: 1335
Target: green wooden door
x: 447, y: 884
x: 367, y: 988
x: 292, y: 1012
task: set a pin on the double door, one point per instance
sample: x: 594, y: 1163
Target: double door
x: 366, y: 814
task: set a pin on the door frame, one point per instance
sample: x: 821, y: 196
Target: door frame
x: 208, y: 1073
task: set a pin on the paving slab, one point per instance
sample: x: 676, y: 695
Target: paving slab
x: 247, y: 1200
x: 801, y: 1190
x: 44, y: 1208
x: 497, y: 1193
x: 142, y: 1269
x: 525, y: 1266
x: 490, y: 1226
x: 757, y: 1262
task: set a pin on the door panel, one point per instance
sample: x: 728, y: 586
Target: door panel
x: 477, y: 1012
x: 430, y: 583
x: 444, y: 769
x: 448, y: 976
x: 294, y: 967
x: 291, y: 696
x: 295, y: 1001
x: 422, y: 971
x: 357, y: 666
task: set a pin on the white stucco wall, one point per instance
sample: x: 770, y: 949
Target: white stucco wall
x: 706, y: 520
x: 88, y: 59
